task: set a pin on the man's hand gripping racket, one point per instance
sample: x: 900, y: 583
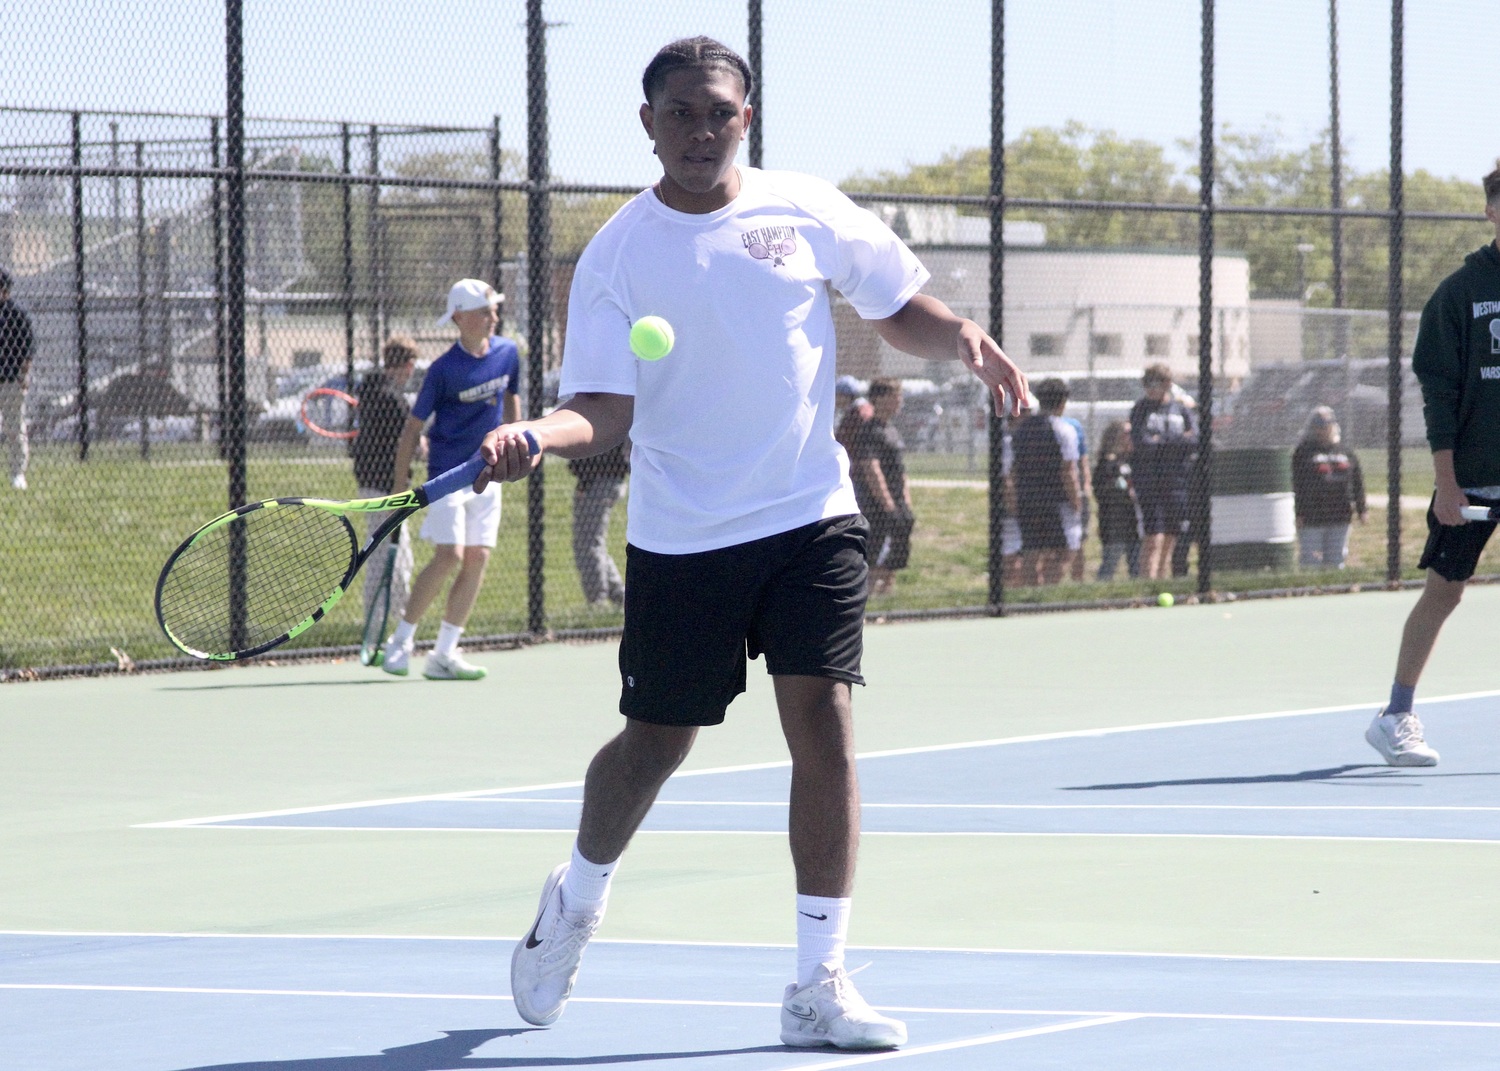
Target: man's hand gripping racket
x: 258, y: 576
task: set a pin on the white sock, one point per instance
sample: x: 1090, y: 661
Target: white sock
x: 447, y: 641
x: 585, y: 887
x: 822, y: 929
x: 405, y: 633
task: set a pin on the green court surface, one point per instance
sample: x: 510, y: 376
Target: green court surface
x: 86, y: 763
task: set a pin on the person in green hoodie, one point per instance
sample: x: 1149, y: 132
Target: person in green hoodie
x: 1457, y: 361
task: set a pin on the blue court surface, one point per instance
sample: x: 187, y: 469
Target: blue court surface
x: 173, y: 1003
x: 1250, y: 776
x: 101, y: 1001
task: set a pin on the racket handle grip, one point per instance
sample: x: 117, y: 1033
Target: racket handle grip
x: 461, y: 476
x: 1478, y: 513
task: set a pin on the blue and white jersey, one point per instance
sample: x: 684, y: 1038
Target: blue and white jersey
x: 465, y: 397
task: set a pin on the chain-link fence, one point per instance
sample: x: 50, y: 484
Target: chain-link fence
x: 205, y: 289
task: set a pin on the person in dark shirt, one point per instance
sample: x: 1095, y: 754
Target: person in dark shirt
x: 1329, y: 491
x: 17, y: 344
x: 600, y: 484
x: 1049, y: 489
x: 1164, y: 433
x: 382, y: 413
x: 880, y: 487
x: 1457, y: 361
x: 1119, y: 513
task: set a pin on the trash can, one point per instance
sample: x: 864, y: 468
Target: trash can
x: 1254, y: 516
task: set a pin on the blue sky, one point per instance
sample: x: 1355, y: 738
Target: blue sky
x: 851, y: 85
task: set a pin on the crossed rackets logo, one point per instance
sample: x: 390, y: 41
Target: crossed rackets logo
x: 771, y: 243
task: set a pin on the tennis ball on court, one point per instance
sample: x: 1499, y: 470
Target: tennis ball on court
x: 651, y: 338
x: 1165, y: 599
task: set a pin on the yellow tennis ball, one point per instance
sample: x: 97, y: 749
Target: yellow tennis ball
x: 651, y: 338
x: 1165, y: 599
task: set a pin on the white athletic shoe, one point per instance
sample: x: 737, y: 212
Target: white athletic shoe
x: 1399, y: 738
x: 19, y: 482
x: 397, y: 659
x: 830, y: 1011
x: 452, y: 668
x: 544, y: 965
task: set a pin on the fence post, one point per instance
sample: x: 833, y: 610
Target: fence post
x: 372, y: 231
x: 221, y: 366
x: 346, y: 212
x: 234, y: 203
x: 497, y: 210
x: 996, y: 596
x: 756, y: 20
x: 80, y: 314
x: 539, y: 297
x: 141, y: 344
x: 1394, y: 300
x: 1200, y: 502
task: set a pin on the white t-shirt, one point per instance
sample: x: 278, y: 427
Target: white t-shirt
x: 733, y: 433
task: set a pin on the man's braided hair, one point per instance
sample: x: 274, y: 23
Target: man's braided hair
x: 692, y: 52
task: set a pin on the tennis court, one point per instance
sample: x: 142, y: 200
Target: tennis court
x: 1122, y: 840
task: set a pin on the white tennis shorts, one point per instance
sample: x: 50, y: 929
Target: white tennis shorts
x: 464, y: 519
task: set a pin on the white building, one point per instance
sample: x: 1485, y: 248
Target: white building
x: 1072, y: 309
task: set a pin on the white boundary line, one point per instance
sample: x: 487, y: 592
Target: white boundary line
x: 942, y: 950
x: 1096, y: 1018
x: 184, y: 823
x: 867, y: 806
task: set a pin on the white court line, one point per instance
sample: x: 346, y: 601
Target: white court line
x: 183, y: 823
x: 977, y: 950
x: 1098, y: 1016
x: 556, y: 830
x: 868, y: 806
x: 965, y: 1043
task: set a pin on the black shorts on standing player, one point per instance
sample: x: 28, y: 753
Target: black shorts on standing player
x: 692, y: 619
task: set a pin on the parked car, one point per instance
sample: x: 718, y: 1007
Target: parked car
x: 1271, y: 408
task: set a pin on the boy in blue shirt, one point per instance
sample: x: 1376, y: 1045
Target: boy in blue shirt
x: 468, y: 392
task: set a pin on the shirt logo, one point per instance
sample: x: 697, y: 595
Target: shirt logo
x: 1494, y: 337
x: 485, y: 390
x: 771, y: 243
x: 1486, y: 308
x: 1490, y: 371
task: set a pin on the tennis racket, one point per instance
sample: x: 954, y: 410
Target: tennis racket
x: 1480, y: 513
x: 262, y: 574
x: 329, y: 412
x: 378, y: 613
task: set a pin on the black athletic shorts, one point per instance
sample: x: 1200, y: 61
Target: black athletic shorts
x: 1452, y: 551
x: 691, y: 619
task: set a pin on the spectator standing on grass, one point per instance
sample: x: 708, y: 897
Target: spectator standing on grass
x: 1049, y: 489
x: 600, y: 484
x: 468, y: 392
x: 1076, y: 563
x: 1119, y: 512
x: 17, y: 344
x: 1164, y: 434
x: 1328, y: 491
x: 1457, y: 361
x: 879, y: 458
x: 382, y: 415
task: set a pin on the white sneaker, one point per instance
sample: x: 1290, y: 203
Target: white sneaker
x: 397, y: 659
x: 544, y: 965
x: 452, y: 668
x: 1399, y: 738
x: 830, y: 1011
x: 19, y: 482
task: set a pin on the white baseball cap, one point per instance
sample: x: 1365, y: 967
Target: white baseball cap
x: 469, y: 294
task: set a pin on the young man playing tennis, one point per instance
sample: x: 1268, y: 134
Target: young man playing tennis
x: 468, y: 392
x: 1457, y: 361
x: 743, y: 529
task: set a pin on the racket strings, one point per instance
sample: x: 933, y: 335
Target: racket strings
x: 252, y: 580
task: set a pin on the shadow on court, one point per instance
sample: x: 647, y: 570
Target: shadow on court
x: 454, y: 1052
x: 1331, y: 775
